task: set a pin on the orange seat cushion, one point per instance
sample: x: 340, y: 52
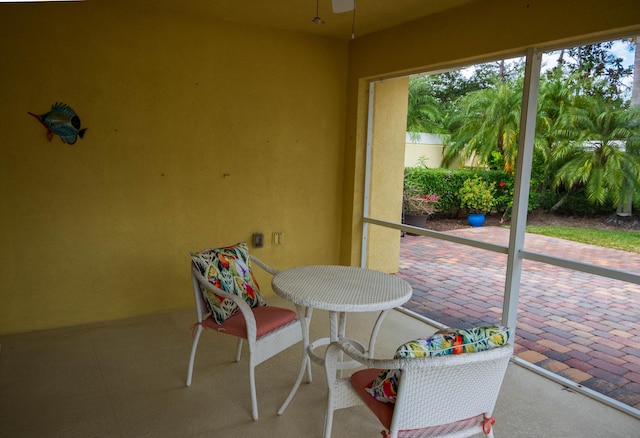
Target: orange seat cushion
x: 360, y: 380
x: 268, y: 318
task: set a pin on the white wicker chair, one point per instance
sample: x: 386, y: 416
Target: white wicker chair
x: 267, y: 329
x: 445, y: 396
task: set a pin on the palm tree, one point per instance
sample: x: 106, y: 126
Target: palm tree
x: 557, y: 94
x: 486, y: 123
x: 597, y: 133
x: 555, y: 97
x: 424, y: 113
x: 625, y: 207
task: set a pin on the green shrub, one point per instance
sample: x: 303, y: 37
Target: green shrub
x: 476, y: 195
x: 446, y: 183
x: 575, y: 204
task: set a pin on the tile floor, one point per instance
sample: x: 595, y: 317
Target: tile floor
x: 126, y: 379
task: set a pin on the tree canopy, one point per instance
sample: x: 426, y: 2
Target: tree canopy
x: 587, y: 133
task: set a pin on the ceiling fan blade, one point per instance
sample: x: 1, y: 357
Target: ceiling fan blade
x: 343, y: 5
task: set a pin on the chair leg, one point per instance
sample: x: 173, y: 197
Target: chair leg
x: 328, y: 418
x: 239, y: 350
x: 252, y: 383
x: 192, y: 356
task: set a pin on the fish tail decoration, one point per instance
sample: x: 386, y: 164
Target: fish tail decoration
x: 81, y: 132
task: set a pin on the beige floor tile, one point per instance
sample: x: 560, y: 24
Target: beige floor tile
x: 126, y: 379
x: 40, y: 417
x: 52, y: 365
x: 151, y: 343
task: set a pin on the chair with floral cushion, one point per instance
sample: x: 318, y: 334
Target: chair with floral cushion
x: 229, y: 301
x: 442, y: 386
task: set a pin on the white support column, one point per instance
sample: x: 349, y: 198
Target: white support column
x: 367, y: 177
x: 521, y: 191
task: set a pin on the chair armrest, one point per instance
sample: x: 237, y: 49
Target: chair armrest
x: 335, y: 348
x: 334, y: 360
x: 207, y: 285
x: 269, y: 269
x: 242, y: 305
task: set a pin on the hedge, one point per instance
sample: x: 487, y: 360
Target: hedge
x: 446, y: 183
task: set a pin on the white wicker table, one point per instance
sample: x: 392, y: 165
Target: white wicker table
x: 338, y: 289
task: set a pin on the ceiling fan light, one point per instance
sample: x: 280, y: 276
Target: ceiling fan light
x: 317, y: 19
x: 339, y: 6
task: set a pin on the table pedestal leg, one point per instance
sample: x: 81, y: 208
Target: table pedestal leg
x: 304, y: 315
x: 337, y: 325
x: 374, y: 332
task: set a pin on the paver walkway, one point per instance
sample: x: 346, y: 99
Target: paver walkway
x: 577, y: 325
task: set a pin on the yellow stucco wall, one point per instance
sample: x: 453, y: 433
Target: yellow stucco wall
x: 387, y: 170
x: 199, y: 134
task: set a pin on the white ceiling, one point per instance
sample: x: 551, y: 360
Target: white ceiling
x: 296, y: 15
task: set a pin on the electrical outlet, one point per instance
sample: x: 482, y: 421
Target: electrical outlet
x: 258, y: 240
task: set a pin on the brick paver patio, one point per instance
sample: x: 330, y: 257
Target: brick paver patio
x: 580, y: 326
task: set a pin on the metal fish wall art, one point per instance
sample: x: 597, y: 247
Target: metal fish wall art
x: 62, y: 120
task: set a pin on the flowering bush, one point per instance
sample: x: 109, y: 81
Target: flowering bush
x: 504, y: 195
x: 477, y: 195
x: 418, y: 204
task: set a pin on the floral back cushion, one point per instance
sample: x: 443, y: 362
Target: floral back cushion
x: 455, y: 341
x: 229, y: 269
x: 450, y: 341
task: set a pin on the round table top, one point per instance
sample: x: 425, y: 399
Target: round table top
x: 341, y: 288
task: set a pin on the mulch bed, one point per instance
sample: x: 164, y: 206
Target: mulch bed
x: 538, y: 217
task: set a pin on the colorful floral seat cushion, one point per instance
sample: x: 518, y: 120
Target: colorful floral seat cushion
x: 450, y: 341
x: 228, y: 269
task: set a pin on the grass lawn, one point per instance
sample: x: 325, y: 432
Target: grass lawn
x: 624, y: 240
